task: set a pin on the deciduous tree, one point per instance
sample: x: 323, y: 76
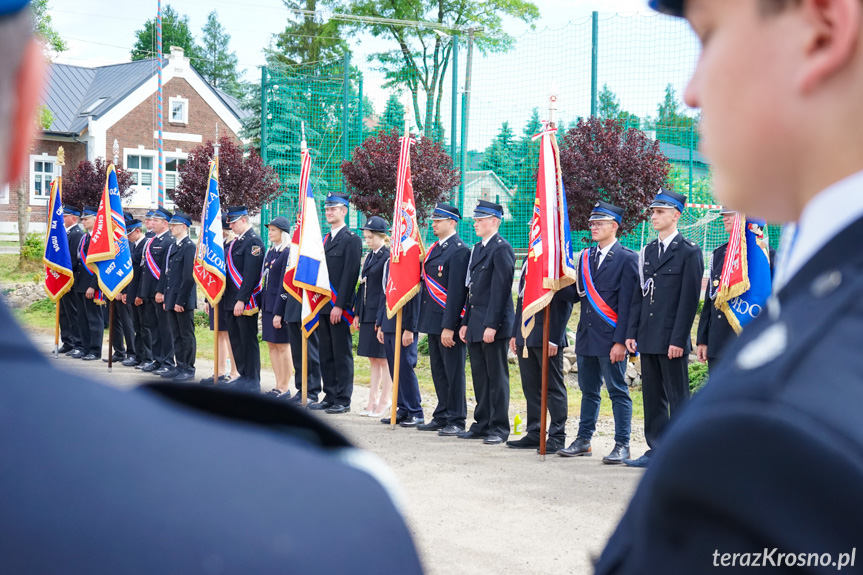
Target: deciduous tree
x: 83, y: 185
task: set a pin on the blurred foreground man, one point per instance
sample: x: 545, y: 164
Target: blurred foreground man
x: 764, y: 466
x: 152, y: 480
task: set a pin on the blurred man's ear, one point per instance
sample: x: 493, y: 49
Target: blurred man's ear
x: 28, y: 88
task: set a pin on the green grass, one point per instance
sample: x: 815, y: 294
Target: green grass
x: 11, y: 273
x: 39, y: 315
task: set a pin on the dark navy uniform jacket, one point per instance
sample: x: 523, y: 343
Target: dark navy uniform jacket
x: 136, y: 251
x: 560, y: 311
x: 83, y: 279
x: 664, y: 315
x: 492, y: 269
x: 770, y: 453
x: 344, y: 254
x: 371, y: 286
x: 275, y: 298
x: 616, y: 281
x: 410, y: 312
x: 247, y: 252
x: 446, y: 264
x: 180, y: 287
x: 149, y: 285
x: 156, y: 480
x: 74, y: 236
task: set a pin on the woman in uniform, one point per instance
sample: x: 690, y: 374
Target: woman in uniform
x: 273, y: 304
x: 366, y: 307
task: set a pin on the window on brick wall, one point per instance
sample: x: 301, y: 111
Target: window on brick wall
x: 4, y: 194
x: 141, y: 169
x: 178, y: 110
x: 41, y: 176
x: 172, y: 176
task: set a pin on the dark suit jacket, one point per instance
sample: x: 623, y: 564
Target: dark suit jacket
x: 83, y: 278
x: 173, y: 460
x: 559, y: 312
x: 248, y: 256
x: 664, y: 316
x: 180, y: 287
x: 492, y: 269
x: 371, y: 286
x: 344, y: 254
x: 770, y: 453
x: 410, y: 312
x: 149, y: 285
x: 616, y: 280
x: 74, y: 235
x: 272, y: 300
x: 714, y: 331
x: 136, y: 252
x: 446, y: 263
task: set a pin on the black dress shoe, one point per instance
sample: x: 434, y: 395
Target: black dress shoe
x: 163, y: 369
x: 431, y: 426
x: 90, y: 357
x: 578, y: 448
x: 399, y: 419
x: 76, y: 354
x: 470, y: 435
x: 131, y: 361
x: 412, y: 422
x: 641, y: 462
x: 526, y: 442
x: 552, y: 447
x: 617, y: 455
x: 148, y: 367
x: 297, y: 399
x: 320, y: 405
x: 170, y: 373
x: 493, y: 440
x: 338, y: 409
x: 116, y: 357
x: 65, y: 348
x: 450, y: 431
x: 273, y: 393
x: 187, y: 376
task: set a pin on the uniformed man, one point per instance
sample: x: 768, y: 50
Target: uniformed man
x: 70, y: 329
x: 152, y: 291
x: 487, y: 325
x: 660, y: 320
x: 86, y: 284
x: 242, y: 290
x: 148, y: 224
x: 143, y: 339
x: 180, y: 298
x: 607, y: 278
x: 531, y: 368
x: 764, y: 468
x: 443, y: 299
x: 344, y: 250
x: 714, y: 331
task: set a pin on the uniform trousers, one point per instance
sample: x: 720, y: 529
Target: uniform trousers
x: 295, y: 336
x: 409, y: 400
x: 185, y: 344
x: 337, y: 361
x: 91, y: 325
x: 143, y: 339
x: 592, y: 371
x: 160, y: 328
x: 531, y: 383
x: 490, y: 373
x: 70, y: 333
x: 243, y: 333
x: 123, y: 338
x: 448, y: 374
x: 665, y: 388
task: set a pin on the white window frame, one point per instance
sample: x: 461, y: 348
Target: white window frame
x: 41, y: 200
x: 4, y: 194
x: 172, y: 156
x: 154, y: 178
x: 180, y: 100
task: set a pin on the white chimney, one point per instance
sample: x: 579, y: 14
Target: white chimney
x: 176, y: 53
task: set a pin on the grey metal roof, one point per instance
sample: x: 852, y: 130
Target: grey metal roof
x: 73, y: 89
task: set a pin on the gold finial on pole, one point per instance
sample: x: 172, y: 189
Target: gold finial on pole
x: 552, y: 106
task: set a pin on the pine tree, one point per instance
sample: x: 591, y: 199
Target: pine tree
x: 175, y: 32
x: 218, y: 65
x: 394, y: 115
x: 500, y: 156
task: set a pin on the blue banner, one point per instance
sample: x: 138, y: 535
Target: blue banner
x: 109, y: 247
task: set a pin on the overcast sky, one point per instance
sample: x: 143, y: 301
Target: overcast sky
x: 639, y: 52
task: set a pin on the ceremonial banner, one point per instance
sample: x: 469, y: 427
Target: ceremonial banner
x: 550, y: 263
x: 109, y: 247
x: 745, y: 283
x: 57, y: 259
x: 407, y: 250
x: 209, y: 267
x: 311, y: 273
x: 293, y: 255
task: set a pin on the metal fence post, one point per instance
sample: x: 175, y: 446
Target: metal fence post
x: 454, y: 119
x: 465, y: 114
x: 594, y: 53
x: 265, y: 210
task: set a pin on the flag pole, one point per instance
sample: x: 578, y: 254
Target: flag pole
x: 305, y: 364
x: 396, y: 362
x: 543, y: 404
x: 216, y: 307
x: 110, y: 334
x: 61, y: 160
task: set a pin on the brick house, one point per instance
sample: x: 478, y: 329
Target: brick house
x: 92, y: 107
